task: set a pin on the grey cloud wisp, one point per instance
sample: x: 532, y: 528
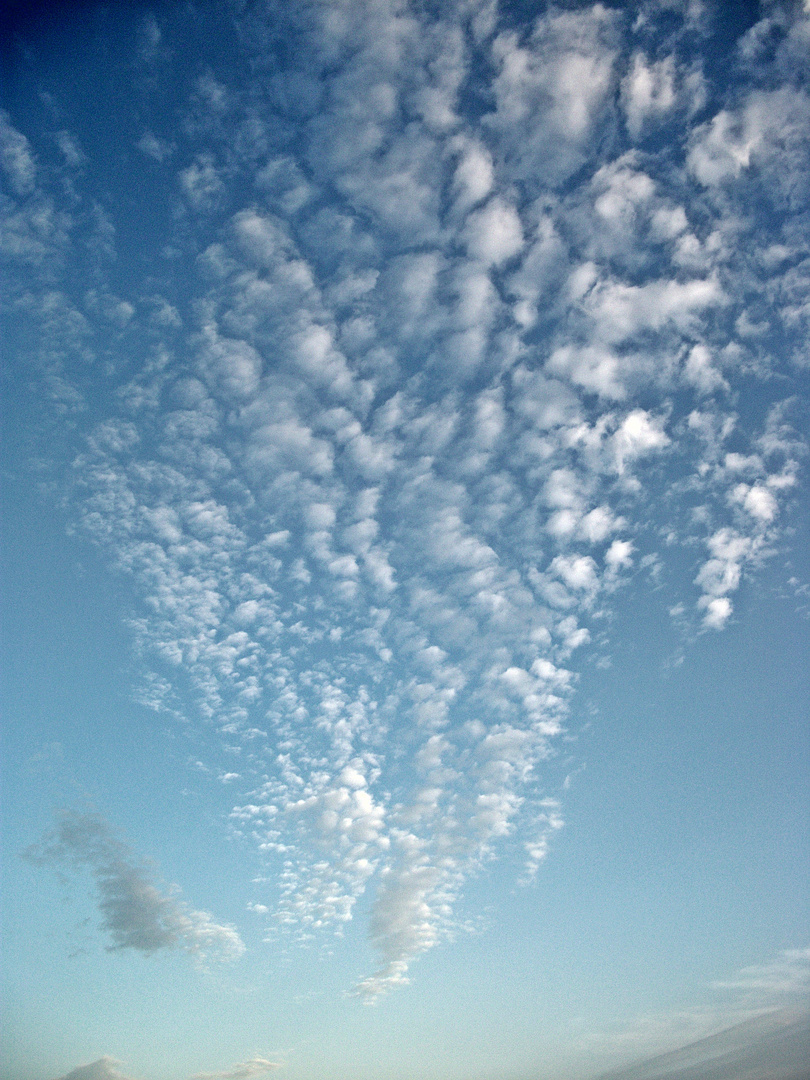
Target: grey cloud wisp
x: 135, y: 913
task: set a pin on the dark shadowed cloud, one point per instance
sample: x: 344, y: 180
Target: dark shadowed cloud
x: 134, y: 911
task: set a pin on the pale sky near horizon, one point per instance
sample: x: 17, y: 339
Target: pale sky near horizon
x: 406, y: 576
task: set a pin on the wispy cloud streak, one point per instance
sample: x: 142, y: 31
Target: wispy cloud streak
x: 135, y: 913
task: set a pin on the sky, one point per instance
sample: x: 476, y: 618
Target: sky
x: 405, y: 540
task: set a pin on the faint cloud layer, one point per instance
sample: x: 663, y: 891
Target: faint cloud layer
x: 106, y: 1068
x: 788, y: 975
x: 255, y: 1067
x: 775, y: 1046
x: 760, y: 1032
x: 134, y: 911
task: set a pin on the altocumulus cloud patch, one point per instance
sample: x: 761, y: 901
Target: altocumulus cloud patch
x: 439, y: 352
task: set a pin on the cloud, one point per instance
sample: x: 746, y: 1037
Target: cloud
x: 775, y: 1044
x: 16, y: 157
x: 762, y: 1028
x: 550, y: 91
x: 106, y: 1068
x: 648, y: 91
x: 769, y: 130
x: 153, y: 147
x: 200, y: 182
x: 454, y: 353
x: 474, y: 175
x: 135, y: 913
x: 788, y: 975
x: 256, y: 1066
x: 494, y: 233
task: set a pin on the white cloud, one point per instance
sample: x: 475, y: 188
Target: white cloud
x: 770, y: 129
x: 202, y: 184
x: 721, y: 574
x: 473, y: 177
x: 638, y: 434
x: 619, y: 554
x: 493, y: 233
x: 594, y: 368
x: 718, y: 611
x: 434, y: 384
x: 404, y: 920
x: 256, y: 1066
x: 757, y: 500
x: 700, y: 371
x: 578, y: 572
x: 648, y: 91
x: 16, y: 157
x: 550, y: 91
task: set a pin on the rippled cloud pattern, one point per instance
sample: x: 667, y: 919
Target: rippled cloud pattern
x: 415, y: 341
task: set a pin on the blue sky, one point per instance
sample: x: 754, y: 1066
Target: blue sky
x: 407, y: 582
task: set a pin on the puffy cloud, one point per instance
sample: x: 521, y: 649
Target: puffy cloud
x: 494, y: 234
x: 595, y: 368
x: 770, y: 129
x: 718, y: 611
x: 648, y: 90
x: 721, y: 574
x: 435, y: 383
x: 550, y: 91
x: 578, y: 572
x: 231, y: 366
x: 637, y: 435
x: 619, y: 554
x: 473, y: 177
x: 700, y: 371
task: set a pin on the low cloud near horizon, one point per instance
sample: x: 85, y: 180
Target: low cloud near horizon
x: 106, y: 1068
x: 771, y: 1046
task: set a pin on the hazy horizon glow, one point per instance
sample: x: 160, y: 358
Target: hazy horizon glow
x: 406, y: 415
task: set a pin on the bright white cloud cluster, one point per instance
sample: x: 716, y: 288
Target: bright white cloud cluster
x: 453, y: 355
